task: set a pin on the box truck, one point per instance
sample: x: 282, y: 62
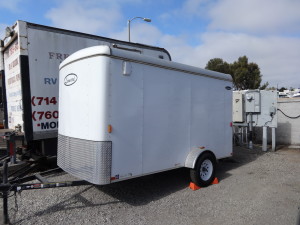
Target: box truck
x: 29, y: 61
x: 125, y: 115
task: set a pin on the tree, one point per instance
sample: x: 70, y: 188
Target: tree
x: 245, y: 75
x: 264, y: 86
x: 271, y: 89
x: 282, y: 89
x: 217, y: 64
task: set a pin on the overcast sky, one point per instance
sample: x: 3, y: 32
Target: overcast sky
x: 193, y: 31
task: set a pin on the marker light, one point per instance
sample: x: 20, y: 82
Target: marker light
x: 109, y: 128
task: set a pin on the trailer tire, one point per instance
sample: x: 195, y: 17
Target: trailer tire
x: 204, y: 172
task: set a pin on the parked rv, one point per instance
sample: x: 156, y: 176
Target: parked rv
x: 282, y: 95
x: 297, y: 95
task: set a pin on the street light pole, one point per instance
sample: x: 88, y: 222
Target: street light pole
x: 129, y: 30
x: 138, y: 17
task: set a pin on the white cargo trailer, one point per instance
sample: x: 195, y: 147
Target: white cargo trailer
x: 124, y: 115
x: 29, y: 61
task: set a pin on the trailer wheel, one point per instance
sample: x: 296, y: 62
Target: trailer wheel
x: 204, y: 172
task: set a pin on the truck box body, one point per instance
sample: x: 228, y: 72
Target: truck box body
x: 30, y: 59
x: 124, y: 115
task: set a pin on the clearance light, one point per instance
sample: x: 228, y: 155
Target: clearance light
x: 109, y: 128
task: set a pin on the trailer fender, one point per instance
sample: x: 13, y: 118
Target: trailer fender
x: 193, y: 155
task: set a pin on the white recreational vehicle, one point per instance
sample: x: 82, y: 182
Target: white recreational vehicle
x: 124, y: 115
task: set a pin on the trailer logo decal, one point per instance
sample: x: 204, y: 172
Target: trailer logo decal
x: 70, y: 79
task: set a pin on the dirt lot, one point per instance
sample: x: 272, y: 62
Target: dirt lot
x: 254, y: 188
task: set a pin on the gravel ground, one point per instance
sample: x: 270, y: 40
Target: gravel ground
x: 254, y: 188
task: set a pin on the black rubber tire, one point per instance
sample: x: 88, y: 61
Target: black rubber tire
x: 195, y: 173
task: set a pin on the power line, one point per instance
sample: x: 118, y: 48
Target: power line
x: 291, y: 117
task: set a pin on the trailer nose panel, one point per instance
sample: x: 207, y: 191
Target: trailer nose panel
x: 88, y: 160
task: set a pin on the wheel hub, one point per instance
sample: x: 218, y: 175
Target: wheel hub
x: 206, y: 170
